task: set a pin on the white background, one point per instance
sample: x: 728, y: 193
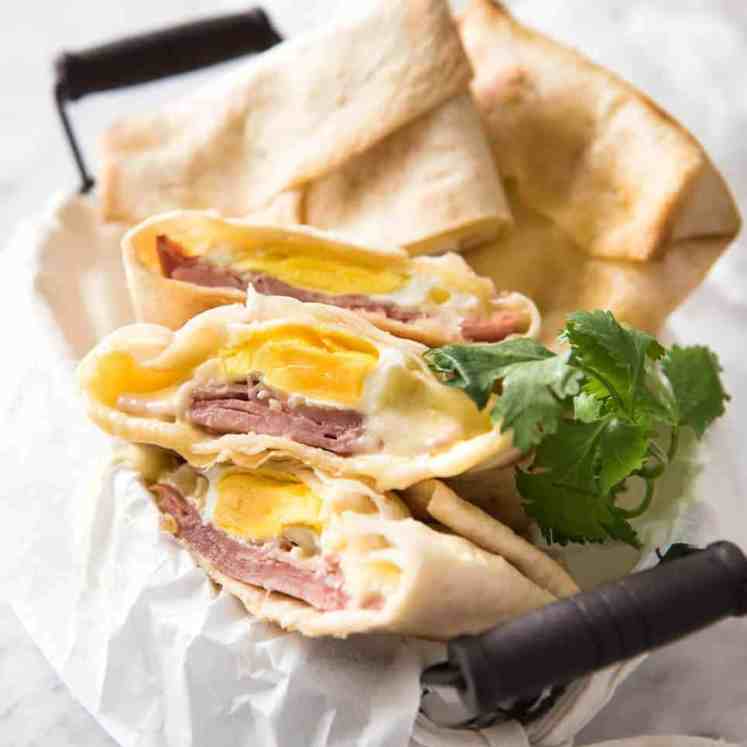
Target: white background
x: 689, y: 55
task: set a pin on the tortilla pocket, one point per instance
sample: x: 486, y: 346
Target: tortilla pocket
x: 181, y: 263
x: 283, y: 378
x: 331, y: 556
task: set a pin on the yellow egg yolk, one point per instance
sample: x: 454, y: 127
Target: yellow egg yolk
x: 317, y: 270
x: 119, y: 373
x: 260, y: 505
x: 318, y: 363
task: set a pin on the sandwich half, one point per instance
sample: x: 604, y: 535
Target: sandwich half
x: 332, y: 556
x: 181, y: 263
x: 283, y: 378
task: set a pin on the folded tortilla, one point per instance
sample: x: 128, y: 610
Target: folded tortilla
x: 642, y: 294
x: 615, y: 204
x: 331, y: 556
x: 365, y: 126
x: 179, y: 264
x: 279, y: 377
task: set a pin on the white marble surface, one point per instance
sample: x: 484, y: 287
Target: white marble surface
x: 697, y: 687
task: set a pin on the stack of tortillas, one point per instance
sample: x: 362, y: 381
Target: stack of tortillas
x: 557, y: 178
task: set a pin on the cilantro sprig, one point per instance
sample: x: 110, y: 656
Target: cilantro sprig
x: 607, y: 410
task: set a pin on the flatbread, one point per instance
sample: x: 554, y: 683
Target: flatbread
x: 436, y: 499
x: 430, y: 186
x: 415, y: 427
x: 394, y: 573
x: 539, y: 260
x: 615, y: 204
x: 464, y: 297
x: 314, y: 115
x: 615, y: 172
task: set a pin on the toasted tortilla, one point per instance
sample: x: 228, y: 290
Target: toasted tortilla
x: 451, y: 587
x: 416, y: 426
x: 314, y: 116
x: 616, y: 206
x: 587, y: 150
x: 398, y: 574
x: 159, y: 299
x: 435, y: 499
x: 389, y: 572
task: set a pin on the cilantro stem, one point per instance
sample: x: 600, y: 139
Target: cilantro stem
x: 673, y: 443
x: 656, y: 453
x: 651, y: 472
x: 644, y: 505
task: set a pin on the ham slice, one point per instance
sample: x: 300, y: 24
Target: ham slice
x: 177, y: 265
x: 270, y: 286
x: 268, y: 565
x: 252, y: 407
x: 493, y: 329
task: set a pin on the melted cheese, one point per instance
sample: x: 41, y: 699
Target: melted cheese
x: 318, y: 363
x: 411, y: 412
x: 118, y: 373
x: 260, y: 505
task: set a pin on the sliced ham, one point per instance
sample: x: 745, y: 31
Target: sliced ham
x: 494, y: 328
x: 252, y: 407
x: 177, y: 265
x: 268, y: 565
x: 270, y: 286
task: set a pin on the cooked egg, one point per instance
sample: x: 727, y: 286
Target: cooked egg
x: 118, y: 372
x: 321, y: 364
x: 262, y: 504
x: 325, y: 271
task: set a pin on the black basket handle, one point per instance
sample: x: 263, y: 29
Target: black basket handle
x: 152, y: 56
x: 589, y: 631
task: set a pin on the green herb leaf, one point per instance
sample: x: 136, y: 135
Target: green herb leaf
x: 567, y: 514
x: 590, y: 459
x: 693, y: 374
x: 613, y: 357
x: 610, y: 409
x: 476, y: 368
x: 533, y: 398
x: 586, y: 407
x: 623, y: 448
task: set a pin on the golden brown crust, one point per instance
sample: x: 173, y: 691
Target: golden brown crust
x: 467, y: 520
x: 585, y: 148
x: 640, y: 293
